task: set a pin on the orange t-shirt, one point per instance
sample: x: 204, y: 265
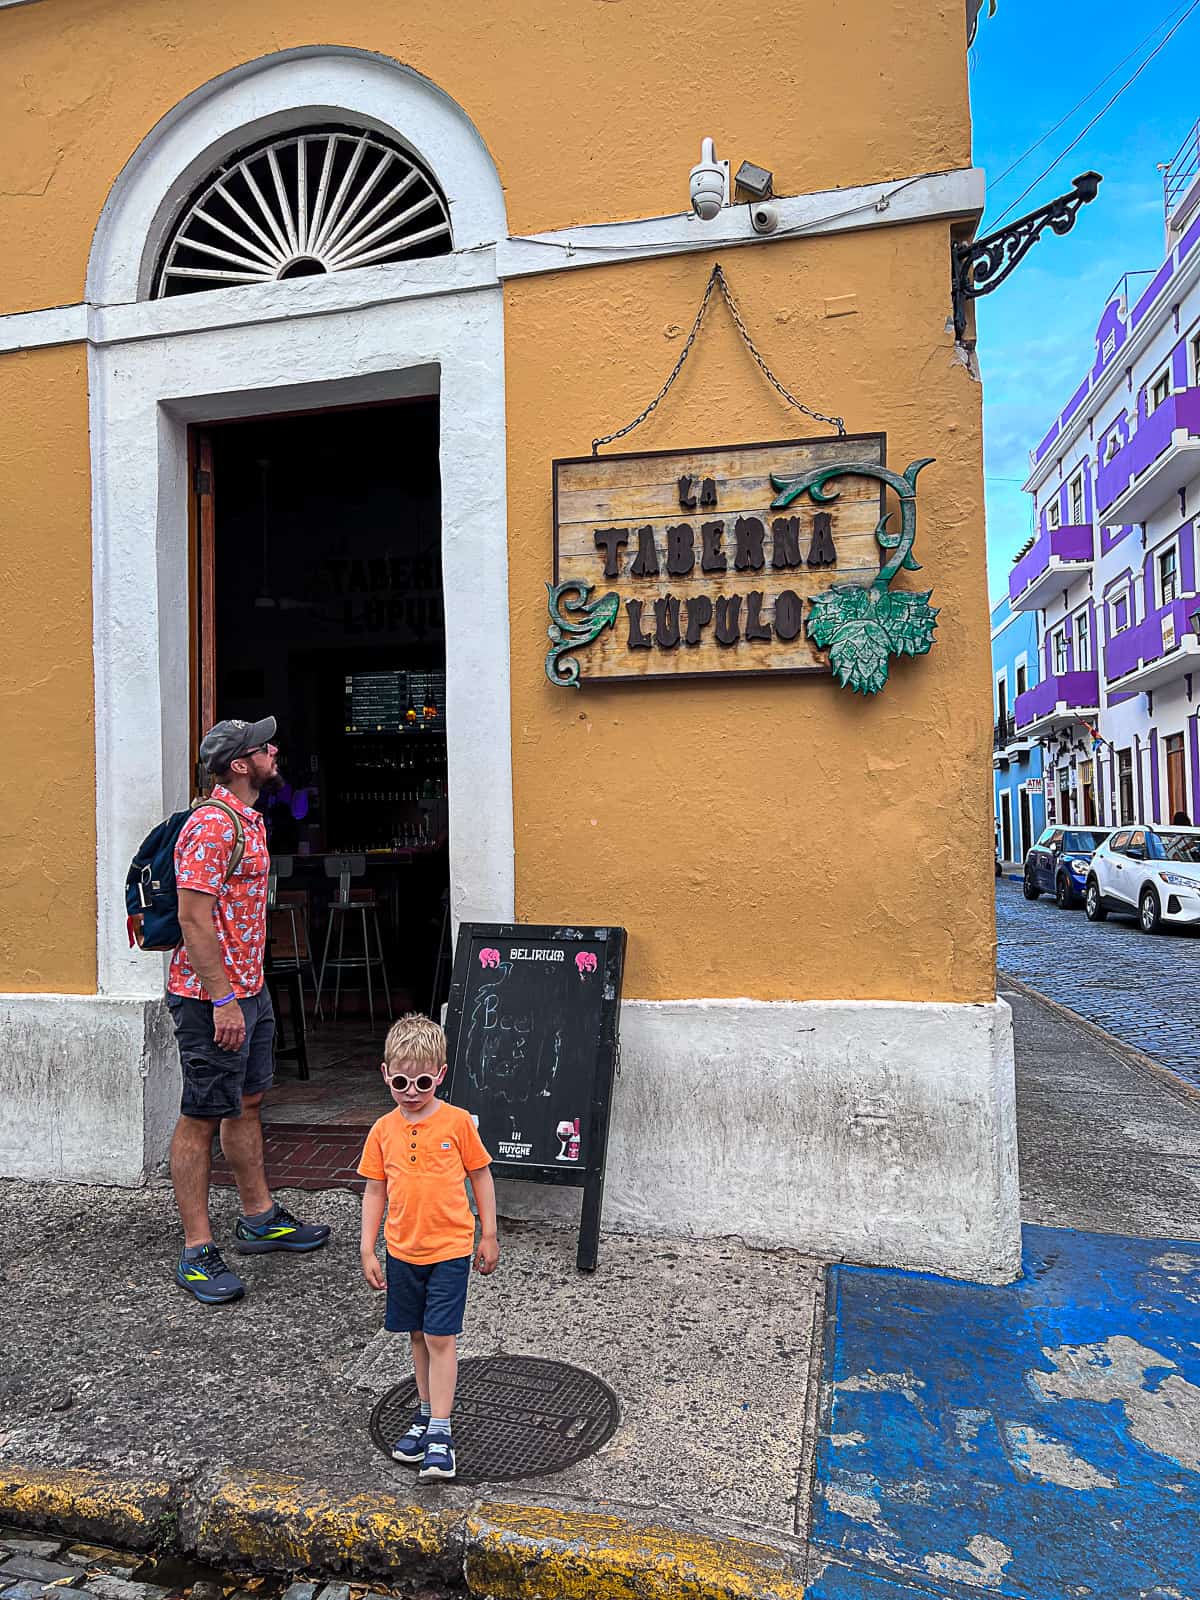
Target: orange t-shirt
x: 424, y: 1165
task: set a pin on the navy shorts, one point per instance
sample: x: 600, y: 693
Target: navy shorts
x: 214, y: 1080
x: 429, y: 1299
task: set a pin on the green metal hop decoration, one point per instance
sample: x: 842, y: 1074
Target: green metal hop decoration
x: 864, y: 625
x: 576, y: 620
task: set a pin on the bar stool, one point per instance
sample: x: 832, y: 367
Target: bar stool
x: 286, y: 980
x: 345, y: 869
x: 292, y: 904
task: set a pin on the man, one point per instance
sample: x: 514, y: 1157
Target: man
x: 222, y: 1011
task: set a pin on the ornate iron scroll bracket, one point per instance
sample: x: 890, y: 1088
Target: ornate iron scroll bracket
x: 981, y: 266
x: 864, y: 625
x: 575, y: 620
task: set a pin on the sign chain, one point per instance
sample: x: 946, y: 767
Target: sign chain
x: 716, y: 276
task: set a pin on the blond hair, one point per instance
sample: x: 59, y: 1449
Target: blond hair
x: 415, y: 1038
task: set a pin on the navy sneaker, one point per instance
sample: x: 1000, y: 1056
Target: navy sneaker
x: 282, y: 1231
x: 208, y: 1278
x: 411, y: 1447
x: 439, y: 1457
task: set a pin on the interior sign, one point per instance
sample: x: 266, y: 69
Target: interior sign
x: 739, y: 559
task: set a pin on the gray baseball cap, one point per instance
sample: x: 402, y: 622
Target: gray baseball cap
x: 226, y: 740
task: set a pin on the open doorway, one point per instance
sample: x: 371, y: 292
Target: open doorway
x: 319, y: 601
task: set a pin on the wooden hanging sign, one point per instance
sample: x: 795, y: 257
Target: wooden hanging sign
x: 735, y: 559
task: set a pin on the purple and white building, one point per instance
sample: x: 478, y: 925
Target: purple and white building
x: 1112, y: 571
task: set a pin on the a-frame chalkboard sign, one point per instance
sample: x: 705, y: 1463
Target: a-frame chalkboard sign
x: 532, y: 1026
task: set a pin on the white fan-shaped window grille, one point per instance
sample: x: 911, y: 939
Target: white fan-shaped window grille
x: 315, y: 201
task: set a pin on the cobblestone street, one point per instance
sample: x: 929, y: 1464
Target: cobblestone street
x: 1141, y: 988
x: 39, y: 1568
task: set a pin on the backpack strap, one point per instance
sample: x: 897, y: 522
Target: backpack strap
x: 239, y: 841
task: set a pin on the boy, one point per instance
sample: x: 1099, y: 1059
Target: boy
x: 414, y: 1160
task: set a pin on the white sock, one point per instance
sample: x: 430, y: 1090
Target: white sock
x: 425, y: 1409
x: 439, y: 1424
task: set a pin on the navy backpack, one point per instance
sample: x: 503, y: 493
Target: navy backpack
x: 151, y: 897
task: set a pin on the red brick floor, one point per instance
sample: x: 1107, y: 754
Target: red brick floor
x: 306, y: 1156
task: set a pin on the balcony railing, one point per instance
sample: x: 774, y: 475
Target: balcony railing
x: 1003, y: 731
x: 1159, y: 459
x: 1156, y: 650
x: 1057, y: 701
x: 1058, y: 557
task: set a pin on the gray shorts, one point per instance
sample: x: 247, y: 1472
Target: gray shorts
x: 214, y: 1080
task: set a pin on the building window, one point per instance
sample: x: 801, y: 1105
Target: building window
x: 1083, y: 643
x: 1125, y: 784
x: 1052, y: 514
x: 1176, y: 779
x: 1058, y: 644
x: 1120, y: 613
x: 302, y: 204
x: 1022, y: 678
x: 1112, y: 444
x: 1158, y: 391
x: 1196, y: 360
x: 1168, y: 575
x: 1076, y: 493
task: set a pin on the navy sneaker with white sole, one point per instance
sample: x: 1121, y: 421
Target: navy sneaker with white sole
x: 439, y: 1457
x: 410, y: 1447
x: 208, y: 1279
x: 282, y: 1231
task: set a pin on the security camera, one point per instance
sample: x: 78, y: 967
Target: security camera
x: 764, y: 218
x: 708, y: 183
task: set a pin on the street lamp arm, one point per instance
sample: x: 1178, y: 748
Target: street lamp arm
x: 983, y: 264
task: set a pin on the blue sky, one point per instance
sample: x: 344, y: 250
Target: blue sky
x: 1029, y: 65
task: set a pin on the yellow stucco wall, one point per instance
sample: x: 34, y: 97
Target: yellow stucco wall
x: 779, y: 838
x: 47, y: 724
x: 591, y: 109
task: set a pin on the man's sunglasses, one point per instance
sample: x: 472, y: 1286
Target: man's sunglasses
x: 422, y: 1083
x: 259, y: 750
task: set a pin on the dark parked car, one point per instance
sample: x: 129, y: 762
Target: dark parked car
x: 1058, y: 864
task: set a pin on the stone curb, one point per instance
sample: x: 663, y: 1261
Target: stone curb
x: 1124, y: 1052
x: 505, y: 1550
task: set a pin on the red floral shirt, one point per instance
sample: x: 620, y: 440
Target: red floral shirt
x: 202, y: 854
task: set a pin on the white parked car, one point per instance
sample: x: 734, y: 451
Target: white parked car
x: 1151, y: 872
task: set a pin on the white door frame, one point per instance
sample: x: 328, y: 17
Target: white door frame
x: 434, y: 327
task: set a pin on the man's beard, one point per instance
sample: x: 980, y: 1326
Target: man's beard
x: 272, y: 785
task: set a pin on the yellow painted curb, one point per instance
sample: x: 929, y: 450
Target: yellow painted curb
x: 516, y: 1551
x: 134, y: 1512
x: 290, y: 1525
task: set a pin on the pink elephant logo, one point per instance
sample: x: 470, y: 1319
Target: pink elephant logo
x: 489, y: 958
x: 585, y: 961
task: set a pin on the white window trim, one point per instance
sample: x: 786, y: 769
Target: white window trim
x: 1000, y: 678
x: 1125, y: 594
x: 1021, y: 661
x: 1076, y: 618
x: 1152, y: 384
x: 1194, y: 357
x: 1077, y: 479
x: 1168, y: 545
x: 1059, y: 635
x: 1053, y: 514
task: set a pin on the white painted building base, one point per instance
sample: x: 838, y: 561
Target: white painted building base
x: 89, y: 1087
x: 874, y: 1131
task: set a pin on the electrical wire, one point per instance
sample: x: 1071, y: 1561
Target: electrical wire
x: 1104, y: 109
x: 1079, y: 104
x: 572, y: 246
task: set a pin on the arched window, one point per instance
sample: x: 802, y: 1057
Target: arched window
x: 316, y: 200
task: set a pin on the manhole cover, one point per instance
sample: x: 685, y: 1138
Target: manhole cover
x: 514, y: 1417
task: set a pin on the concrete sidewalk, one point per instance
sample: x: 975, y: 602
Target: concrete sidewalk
x: 763, y: 1449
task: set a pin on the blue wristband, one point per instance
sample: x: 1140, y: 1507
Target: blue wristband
x: 230, y: 996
